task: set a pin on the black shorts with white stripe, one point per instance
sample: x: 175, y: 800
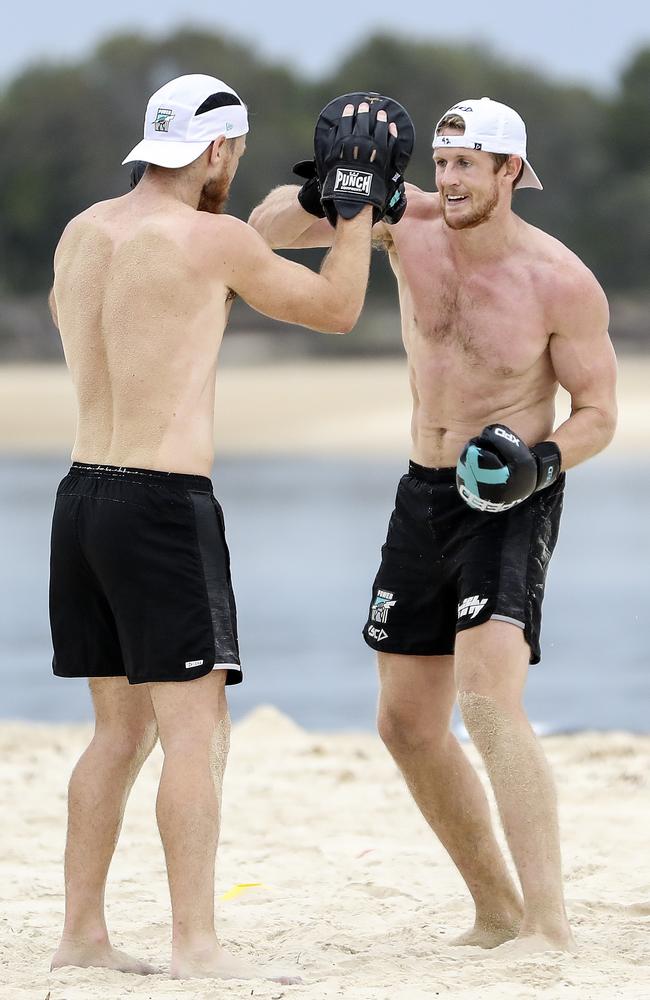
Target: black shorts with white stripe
x: 140, y: 577
x: 446, y: 567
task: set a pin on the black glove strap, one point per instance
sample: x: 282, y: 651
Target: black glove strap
x: 549, y: 463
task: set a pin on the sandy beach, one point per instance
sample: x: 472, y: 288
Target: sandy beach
x: 342, y: 407
x: 353, y: 891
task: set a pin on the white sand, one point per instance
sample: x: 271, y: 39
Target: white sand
x: 308, y: 407
x: 356, y: 893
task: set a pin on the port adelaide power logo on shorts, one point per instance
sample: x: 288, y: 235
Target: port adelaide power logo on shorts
x: 381, y: 605
x: 383, y: 602
x: 352, y: 182
x: 163, y: 119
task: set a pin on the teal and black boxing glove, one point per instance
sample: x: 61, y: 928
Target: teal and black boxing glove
x: 497, y: 470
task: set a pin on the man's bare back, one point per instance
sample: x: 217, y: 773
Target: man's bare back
x: 141, y: 315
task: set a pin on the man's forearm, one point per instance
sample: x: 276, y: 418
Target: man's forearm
x: 587, y: 431
x: 347, y: 265
x: 280, y: 219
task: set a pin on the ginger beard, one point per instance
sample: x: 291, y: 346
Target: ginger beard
x: 214, y: 195
x: 480, y: 208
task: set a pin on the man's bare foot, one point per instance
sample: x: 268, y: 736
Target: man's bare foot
x: 486, y: 935
x: 217, y: 963
x: 533, y: 944
x: 86, y: 955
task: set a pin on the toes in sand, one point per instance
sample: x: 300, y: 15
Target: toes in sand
x: 221, y: 964
x: 84, y: 957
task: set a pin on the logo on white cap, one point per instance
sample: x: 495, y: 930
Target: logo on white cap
x: 493, y: 128
x: 164, y: 116
x: 184, y: 116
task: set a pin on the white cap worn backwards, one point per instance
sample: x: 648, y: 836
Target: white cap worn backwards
x: 185, y: 116
x: 492, y: 127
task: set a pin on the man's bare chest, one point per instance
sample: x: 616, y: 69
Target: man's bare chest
x: 488, y: 318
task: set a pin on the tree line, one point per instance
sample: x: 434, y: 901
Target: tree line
x: 67, y: 127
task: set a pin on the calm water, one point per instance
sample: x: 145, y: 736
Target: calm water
x: 304, y: 537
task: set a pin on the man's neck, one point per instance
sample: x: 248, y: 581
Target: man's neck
x: 490, y: 241
x: 185, y: 188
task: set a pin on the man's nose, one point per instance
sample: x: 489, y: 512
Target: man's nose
x: 449, y: 175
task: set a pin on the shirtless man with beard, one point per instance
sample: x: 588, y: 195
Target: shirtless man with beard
x: 495, y: 314
x: 141, y: 600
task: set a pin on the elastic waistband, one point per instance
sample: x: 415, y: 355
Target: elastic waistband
x: 428, y: 475
x: 151, y: 477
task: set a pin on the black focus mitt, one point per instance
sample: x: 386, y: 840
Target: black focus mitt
x: 358, y: 161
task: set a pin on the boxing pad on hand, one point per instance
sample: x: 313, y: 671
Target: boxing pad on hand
x: 309, y: 194
x: 396, y: 202
x: 358, y: 161
x: 497, y: 470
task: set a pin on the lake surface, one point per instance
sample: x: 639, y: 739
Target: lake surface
x: 304, y: 537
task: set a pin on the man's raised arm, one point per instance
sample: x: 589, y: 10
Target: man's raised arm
x: 330, y: 301
x: 284, y: 224
x: 358, y: 148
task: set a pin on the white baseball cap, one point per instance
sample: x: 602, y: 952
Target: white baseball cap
x: 492, y: 127
x: 185, y: 116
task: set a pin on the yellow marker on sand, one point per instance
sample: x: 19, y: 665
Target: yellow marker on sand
x: 241, y: 887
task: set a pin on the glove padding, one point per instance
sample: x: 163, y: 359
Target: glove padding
x: 309, y: 194
x: 497, y: 470
x: 358, y: 161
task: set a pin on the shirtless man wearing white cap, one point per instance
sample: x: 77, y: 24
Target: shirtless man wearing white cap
x: 495, y: 313
x: 141, y: 600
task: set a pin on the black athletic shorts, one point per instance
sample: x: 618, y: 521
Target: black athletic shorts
x: 446, y: 567
x: 140, y: 577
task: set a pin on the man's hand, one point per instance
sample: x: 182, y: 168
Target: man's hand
x: 396, y: 202
x: 497, y: 470
x: 310, y: 193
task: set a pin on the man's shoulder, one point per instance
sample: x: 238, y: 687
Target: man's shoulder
x: 559, y: 267
x: 421, y: 205
x: 219, y: 233
x: 91, y: 216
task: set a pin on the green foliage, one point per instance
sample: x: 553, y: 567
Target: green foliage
x: 66, y: 129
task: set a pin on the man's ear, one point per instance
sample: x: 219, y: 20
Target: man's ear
x: 513, y: 167
x: 217, y: 150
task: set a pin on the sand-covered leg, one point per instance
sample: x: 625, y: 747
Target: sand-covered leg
x: 125, y: 734
x: 417, y: 696
x: 492, y: 663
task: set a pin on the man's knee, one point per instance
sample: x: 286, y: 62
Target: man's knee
x: 492, y: 662
x: 130, y: 743
x: 406, y: 728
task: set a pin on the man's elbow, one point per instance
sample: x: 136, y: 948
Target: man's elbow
x: 255, y: 216
x: 345, y: 320
x: 51, y: 301
x: 604, y: 426
x: 255, y: 219
x: 609, y: 424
